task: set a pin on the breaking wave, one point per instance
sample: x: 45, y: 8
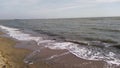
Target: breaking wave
x: 108, y: 54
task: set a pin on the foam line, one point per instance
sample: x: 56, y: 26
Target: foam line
x: 56, y: 56
x: 17, y: 34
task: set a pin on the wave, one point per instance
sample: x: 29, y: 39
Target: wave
x: 108, y: 30
x: 17, y: 34
x: 102, y: 40
x: 110, y: 55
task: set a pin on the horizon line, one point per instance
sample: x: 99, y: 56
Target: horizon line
x: 60, y: 18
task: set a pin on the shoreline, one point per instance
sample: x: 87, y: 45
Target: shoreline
x: 12, y: 57
x: 16, y: 55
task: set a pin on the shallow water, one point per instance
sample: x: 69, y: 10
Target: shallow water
x: 90, y: 39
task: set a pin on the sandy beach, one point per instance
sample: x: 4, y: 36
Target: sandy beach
x: 11, y: 57
x: 13, y: 53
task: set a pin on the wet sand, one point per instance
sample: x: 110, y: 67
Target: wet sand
x: 68, y: 60
x: 59, y: 58
x: 16, y: 52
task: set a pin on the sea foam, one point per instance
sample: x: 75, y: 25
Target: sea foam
x: 87, y: 52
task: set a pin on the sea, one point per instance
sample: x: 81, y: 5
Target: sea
x: 96, y: 39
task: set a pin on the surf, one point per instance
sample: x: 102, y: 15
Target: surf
x: 108, y: 54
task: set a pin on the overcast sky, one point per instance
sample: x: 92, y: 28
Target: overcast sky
x: 58, y: 8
